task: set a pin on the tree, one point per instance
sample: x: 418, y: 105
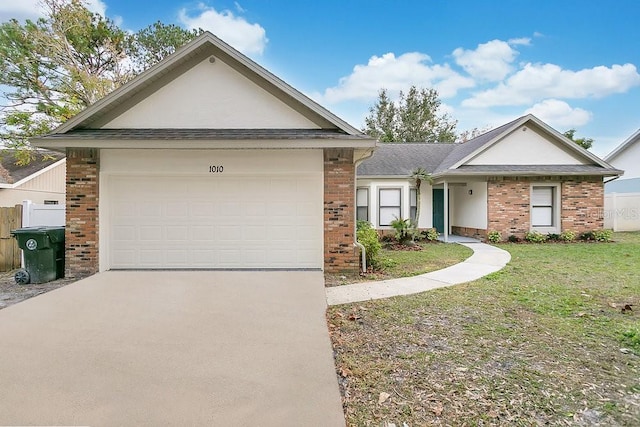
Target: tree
x: 62, y: 63
x: 419, y: 176
x: 585, y: 143
x: 155, y: 42
x: 415, y: 118
x: 466, y: 135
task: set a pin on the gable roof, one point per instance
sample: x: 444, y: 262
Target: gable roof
x: 624, y: 146
x: 442, y: 160
x: 13, y: 175
x: 204, y: 46
x: 400, y: 159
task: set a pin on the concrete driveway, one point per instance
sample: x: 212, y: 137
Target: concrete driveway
x: 171, y: 348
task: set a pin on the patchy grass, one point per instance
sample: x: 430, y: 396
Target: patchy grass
x: 404, y: 263
x: 547, y: 340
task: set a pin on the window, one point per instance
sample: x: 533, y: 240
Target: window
x: 389, y: 202
x: 362, y: 204
x: 544, y: 209
x: 413, y: 204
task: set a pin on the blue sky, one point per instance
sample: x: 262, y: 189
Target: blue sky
x: 574, y: 64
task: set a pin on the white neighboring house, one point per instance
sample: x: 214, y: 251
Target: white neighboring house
x: 626, y: 157
x: 622, y: 195
x: 42, y: 181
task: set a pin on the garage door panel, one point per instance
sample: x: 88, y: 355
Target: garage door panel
x: 232, y: 222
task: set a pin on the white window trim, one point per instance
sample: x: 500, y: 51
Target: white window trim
x: 400, y: 191
x: 556, y: 228
x: 412, y: 189
x: 368, y: 202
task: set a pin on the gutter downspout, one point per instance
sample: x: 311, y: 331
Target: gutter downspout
x: 363, y: 251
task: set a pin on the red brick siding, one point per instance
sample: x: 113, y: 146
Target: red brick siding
x: 583, y: 204
x: 81, y: 234
x: 582, y: 200
x: 508, y: 206
x: 340, y: 254
x: 476, y: 233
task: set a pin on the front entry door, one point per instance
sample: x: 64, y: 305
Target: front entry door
x: 438, y: 209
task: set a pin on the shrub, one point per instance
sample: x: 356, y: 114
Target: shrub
x: 535, y: 237
x: 513, y: 238
x: 368, y: 237
x: 587, y: 235
x: 431, y: 234
x: 494, y: 236
x: 603, y: 235
x: 553, y: 237
x: 405, y: 230
x: 568, y: 236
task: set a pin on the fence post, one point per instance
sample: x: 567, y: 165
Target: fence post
x: 614, y: 211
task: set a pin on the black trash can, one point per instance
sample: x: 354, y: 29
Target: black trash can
x: 43, y: 249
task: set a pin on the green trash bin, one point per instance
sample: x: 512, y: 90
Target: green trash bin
x: 43, y: 249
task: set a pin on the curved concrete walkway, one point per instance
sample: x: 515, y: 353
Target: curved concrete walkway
x: 486, y: 259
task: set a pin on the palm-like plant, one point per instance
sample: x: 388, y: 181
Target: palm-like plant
x: 419, y: 176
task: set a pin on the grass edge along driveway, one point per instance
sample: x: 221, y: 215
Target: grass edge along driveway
x: 547, y: 340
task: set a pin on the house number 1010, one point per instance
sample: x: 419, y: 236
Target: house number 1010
x: 216, y: 169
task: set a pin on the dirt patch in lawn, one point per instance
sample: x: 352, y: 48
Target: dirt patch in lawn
x: 12, y: 293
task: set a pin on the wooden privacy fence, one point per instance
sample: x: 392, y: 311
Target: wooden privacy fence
x: 10, y: 219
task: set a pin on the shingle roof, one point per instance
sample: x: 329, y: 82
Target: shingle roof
x: 206, y: 134
x: 444, y: 159
x: 533, y: 169
x: 401, y: 159
x: 10, y: 172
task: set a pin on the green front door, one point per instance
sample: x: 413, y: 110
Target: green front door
x: 438, y: 209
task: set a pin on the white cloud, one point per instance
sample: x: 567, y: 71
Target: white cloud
x: 33, y: 9
x: 535, y: 82
x: 396, y: 74
x: 234, y: 30
x: 491, y: 61
x: 559, y: 114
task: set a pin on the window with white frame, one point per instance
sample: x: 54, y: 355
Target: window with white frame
x: 389, y: 202
x: 362, y: 204
x: 413, y: 204
x: 544, y: 207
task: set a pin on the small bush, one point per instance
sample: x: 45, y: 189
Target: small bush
x: 368, y: 237
x: 405, y: 230
x: 494, y: 236
x: 568, y: 236
x: 602, y: 235
x: 587, y: 235
x: 553, y: 237
x: 513, y: 238
x: 430, y: 234
x: 535, y: 237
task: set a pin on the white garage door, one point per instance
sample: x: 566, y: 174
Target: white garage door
x: 233, y: 218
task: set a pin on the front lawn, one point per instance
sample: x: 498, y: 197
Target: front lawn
x: 554, y: 338
x: 432, y: 256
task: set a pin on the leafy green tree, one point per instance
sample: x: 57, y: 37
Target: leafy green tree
x: 415, y: 118
x: 58, y: 65
x: 585, y: 143
x: 153, y: 43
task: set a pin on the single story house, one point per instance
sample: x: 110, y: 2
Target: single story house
x: 626, y: 157
x: 520, y: 177
x: 207, y: 160
x: 40, y: 181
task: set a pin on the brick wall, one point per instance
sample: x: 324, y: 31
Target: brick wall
x: 509, y: 199
x: 81, y: 234
x: 340, y: 254
x: 508, y: 206
x: 583, y: 204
